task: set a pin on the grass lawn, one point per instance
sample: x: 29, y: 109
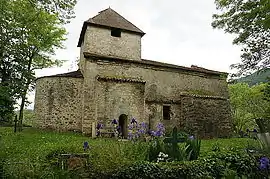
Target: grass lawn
x: 27, y: 151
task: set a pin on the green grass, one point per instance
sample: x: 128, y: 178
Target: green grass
x: 25, y: 153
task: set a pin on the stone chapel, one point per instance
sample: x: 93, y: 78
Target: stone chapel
x: 114, y: 82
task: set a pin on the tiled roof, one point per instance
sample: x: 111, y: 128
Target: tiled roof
x: 158, y: 64
x: 109, y: 18
x: 73, y: 74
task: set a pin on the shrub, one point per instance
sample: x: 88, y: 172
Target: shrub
x: 219, y: 165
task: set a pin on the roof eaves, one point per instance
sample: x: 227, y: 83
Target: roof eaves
x: 73, y: 74
x: 155, y: 63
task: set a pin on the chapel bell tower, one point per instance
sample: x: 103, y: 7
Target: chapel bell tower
x: 108, y: 34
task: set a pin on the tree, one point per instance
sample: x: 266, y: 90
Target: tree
x: 238, y: 98
x: 8, y: 64
x: 249, y: 20
x: 249, y: 106
x: 31, y: 31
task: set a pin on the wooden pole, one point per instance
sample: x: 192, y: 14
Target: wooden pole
x: 15, y: 123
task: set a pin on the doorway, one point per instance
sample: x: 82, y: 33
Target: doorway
x: 123, y: 125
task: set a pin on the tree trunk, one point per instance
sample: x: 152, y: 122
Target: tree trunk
x: 21, y: 112
x: 261, y: 124
x: 23, y: 96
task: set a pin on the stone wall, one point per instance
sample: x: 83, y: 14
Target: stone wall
x: 58, y: 103
x: 163, y: 86
x: 116, y: 97
x: 99, y: 41
x: 206, y: 116
x: 154, y: 115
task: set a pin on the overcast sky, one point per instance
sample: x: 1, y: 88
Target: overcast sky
x: 177, y: 32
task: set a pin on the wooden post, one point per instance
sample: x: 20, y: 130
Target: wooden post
x: 15, y: 123
x: 94, y: 130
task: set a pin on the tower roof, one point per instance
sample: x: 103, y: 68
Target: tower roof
x: 109, y: 18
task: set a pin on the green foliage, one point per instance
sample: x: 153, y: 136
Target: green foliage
x: 216, y: 147
x: 140, y: 170
x: 6, y: 105
x: 193, y: 148
x: 178, y: 147
x: 31, y: 154
x: 218, y: 165
x: 172, y: 148
x: 31, y: 31
x: 155, y: 147
x: 255, y: 78
x: 248, y: 104
x: 249, y: 20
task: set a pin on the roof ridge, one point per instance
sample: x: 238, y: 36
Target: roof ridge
x: 133, y: 27
x: 155, y: 63
x: 124, y: 18
x: 109, y: 18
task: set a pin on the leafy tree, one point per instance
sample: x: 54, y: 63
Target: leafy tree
x: 250, y: 21
x: 31, y: 31
x: 238, y: 98
x: 249, y: 106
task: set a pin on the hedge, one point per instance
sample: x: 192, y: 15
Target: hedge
x: 217, y: 165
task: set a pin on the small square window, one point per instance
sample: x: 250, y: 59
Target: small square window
x: 166, y: 112
x: 116, y: 32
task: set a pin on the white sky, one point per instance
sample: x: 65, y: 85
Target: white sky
x: 177, y: 32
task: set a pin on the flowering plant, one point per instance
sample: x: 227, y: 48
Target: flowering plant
x: 162, y: 157
x: 99, y: 126
x: 264, y: 163
x: 136, y: 130
x: 160, y: 132
x: 116, y: 128
x: 193, y: 147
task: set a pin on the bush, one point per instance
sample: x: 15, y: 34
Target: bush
x: 218, y: 165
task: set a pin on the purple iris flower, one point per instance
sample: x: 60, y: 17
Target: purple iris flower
x: 130, y: 127
x: 160, y: 126
x: 158, y: 133
x: 133, y: 121
x: 264, y: 163
x: 130, y: 136
x: 114, y: 121
x: 255, y: 130
x: 99, y: 126
x: 141, y: 131
x: 85, y: 146
x: 143, y: 125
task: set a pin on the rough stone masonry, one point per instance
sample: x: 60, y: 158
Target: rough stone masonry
x: 113, y: 82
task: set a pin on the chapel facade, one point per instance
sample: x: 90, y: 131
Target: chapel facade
x: 114, y: 82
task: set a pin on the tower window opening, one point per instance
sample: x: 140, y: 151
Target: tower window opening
x: 116, y: 32
x: 166, y: 112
